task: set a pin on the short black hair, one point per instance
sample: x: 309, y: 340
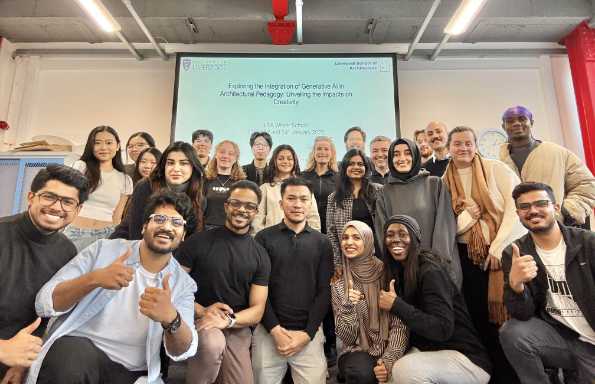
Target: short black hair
x: 530, y: 186
x: 264, y: 135
x: 63, y: 174
x: 245, y: 184
x: 145, y: 136
x: 202, y: 132
x: 352, y: 129
x: 296, y: 181
x: 180, y: 201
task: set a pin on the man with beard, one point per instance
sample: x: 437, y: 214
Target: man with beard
x: 534, y: 160
x: 261, y: 144
x: 549, y: 292
x: 379, y: 152
x: 422, y: 143
x: 32, y: 251
x: 232, y: 271
x: 202, y: 141
x: 117, y: 301
x: 437, y: 135
x: 299, y: 294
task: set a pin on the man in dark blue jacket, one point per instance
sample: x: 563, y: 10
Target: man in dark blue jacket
x: 549, y: 282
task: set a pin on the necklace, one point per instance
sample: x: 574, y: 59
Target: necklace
x: 224, y: 183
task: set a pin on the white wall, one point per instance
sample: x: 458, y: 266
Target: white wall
x: 69, y: 96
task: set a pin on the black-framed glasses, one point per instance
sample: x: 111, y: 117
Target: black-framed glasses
x: 537, y: 204
x: 177, y: 222
x: 237, y: 204
x: 47, y: 199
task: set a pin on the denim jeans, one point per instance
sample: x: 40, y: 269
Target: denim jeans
x: 83, y: 237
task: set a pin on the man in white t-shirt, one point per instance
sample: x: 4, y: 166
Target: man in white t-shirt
x: 549, y: 292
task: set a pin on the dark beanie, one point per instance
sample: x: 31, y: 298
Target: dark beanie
x: 408, y: 222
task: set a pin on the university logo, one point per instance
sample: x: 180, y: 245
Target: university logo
x: 186, y: 64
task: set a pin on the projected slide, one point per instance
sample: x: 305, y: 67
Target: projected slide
x: 294, y: 98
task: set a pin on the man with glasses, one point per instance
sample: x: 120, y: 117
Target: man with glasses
x: 232, y: 271
x: 257, y: 171
x: 32, y: 250
x: 549, y: 163
x: 549, y: 277
x: 299, y: 296
x: 117, y: 301
x: 202, y: 141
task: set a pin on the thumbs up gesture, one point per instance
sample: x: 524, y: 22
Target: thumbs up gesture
x: 387, y: 298
x: 116, y: 275
x: 381, y: 372
x: 155, y: 303
x: 354, y: 295
x: 522, y: 270
x: 22, y: 349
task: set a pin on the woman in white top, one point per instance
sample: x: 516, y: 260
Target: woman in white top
x: 110, y: 187
x: 481, y: 196
x: 283, y: 164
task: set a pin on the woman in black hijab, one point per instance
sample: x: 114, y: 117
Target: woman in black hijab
x: 412, y: 191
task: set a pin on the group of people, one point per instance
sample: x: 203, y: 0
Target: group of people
x: 420, y: 262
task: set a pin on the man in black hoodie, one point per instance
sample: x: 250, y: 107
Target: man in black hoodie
x: 549, y: 290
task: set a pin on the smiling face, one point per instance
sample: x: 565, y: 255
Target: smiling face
x: 352, y: 243
x: 284, y: 163
x: 322, y: 152
x: 166, y: 237
x: 462, y: 148
x: 146, y: 164
x: 379, y: 153
x: 226, y: 156
x: 402, y: 158
x: 202, y: 145
x: 536, y: 211
x: 260, y: 148
x: 355, y: 140
x: 178, y: 168
x: 518, y: 128
x: 437, y: 135
x: 240, y: 209
x: 295, y: 203
x: 105, y: 146
x: 52, y: 216
x: 424, y: 147
x: 356, y: 168
x: 397, y: 241
x: 135, y: 146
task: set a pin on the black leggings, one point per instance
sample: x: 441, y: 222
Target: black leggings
x: 75, y: 360
x: 357, y: 368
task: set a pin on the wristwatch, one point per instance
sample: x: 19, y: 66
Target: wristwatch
x: 231, y: 320
x: 174, y: 325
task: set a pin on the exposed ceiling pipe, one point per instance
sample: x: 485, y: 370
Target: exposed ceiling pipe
x: 143, y: 27
x: 422, y: 29
x: 298, y: 17
x: 439, y: 47
x: 129, y: 45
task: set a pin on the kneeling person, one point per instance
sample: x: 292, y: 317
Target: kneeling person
x: 117, y: 300
x: 299, y: 294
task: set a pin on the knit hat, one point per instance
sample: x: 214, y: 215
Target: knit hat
x: 408, y: 222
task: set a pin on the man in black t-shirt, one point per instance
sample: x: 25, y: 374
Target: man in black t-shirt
x: 232, y: 273
x: 33, y: 249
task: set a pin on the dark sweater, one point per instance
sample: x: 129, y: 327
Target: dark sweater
x: 436, y: 167
x: 28, y: 259
x: 215, y: 191
x: 438, y: 318
x: 132, y: 224
x: 299, y: 287
x: 323, y: 186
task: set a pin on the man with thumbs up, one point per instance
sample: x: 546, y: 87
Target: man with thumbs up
x: 549, y: 292
x: 116, y: 302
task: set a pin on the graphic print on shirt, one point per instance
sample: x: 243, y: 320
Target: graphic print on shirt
x: 562, y: 303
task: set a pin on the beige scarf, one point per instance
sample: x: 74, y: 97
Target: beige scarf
x: 478, y: 248
x: 368, y: 270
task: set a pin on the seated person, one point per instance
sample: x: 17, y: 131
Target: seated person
x: 373, y: 339
x: 117, y: 301
x: 445, y: 345
x: 549, y: 290
x: 33, y: 250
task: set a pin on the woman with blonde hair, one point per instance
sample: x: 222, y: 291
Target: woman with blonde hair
x: 321, y: 171
x: 222, y: 171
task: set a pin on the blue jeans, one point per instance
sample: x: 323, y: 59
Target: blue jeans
x: 83, y: 237
x: 534, y: 344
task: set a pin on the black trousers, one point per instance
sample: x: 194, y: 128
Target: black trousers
x: 357, y: 368
x: 75, y: 360
x: 475, y: 291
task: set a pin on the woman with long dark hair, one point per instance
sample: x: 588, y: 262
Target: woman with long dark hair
x: 372, y: 339
x: 222, y: 171
x: 146, y: 161
x: 137, y: 142
x: 445, y: 345
x: 283, y: 164
x: 321, y: 171
x: 110, y: 187
x: 354, y: 198
x: 412, y: 191
x: 178, y: 170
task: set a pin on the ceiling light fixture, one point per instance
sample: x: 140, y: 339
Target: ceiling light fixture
x: 100, y: 15
x: 463, y: 16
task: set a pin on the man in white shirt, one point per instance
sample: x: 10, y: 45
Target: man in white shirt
x: 549, y: 277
